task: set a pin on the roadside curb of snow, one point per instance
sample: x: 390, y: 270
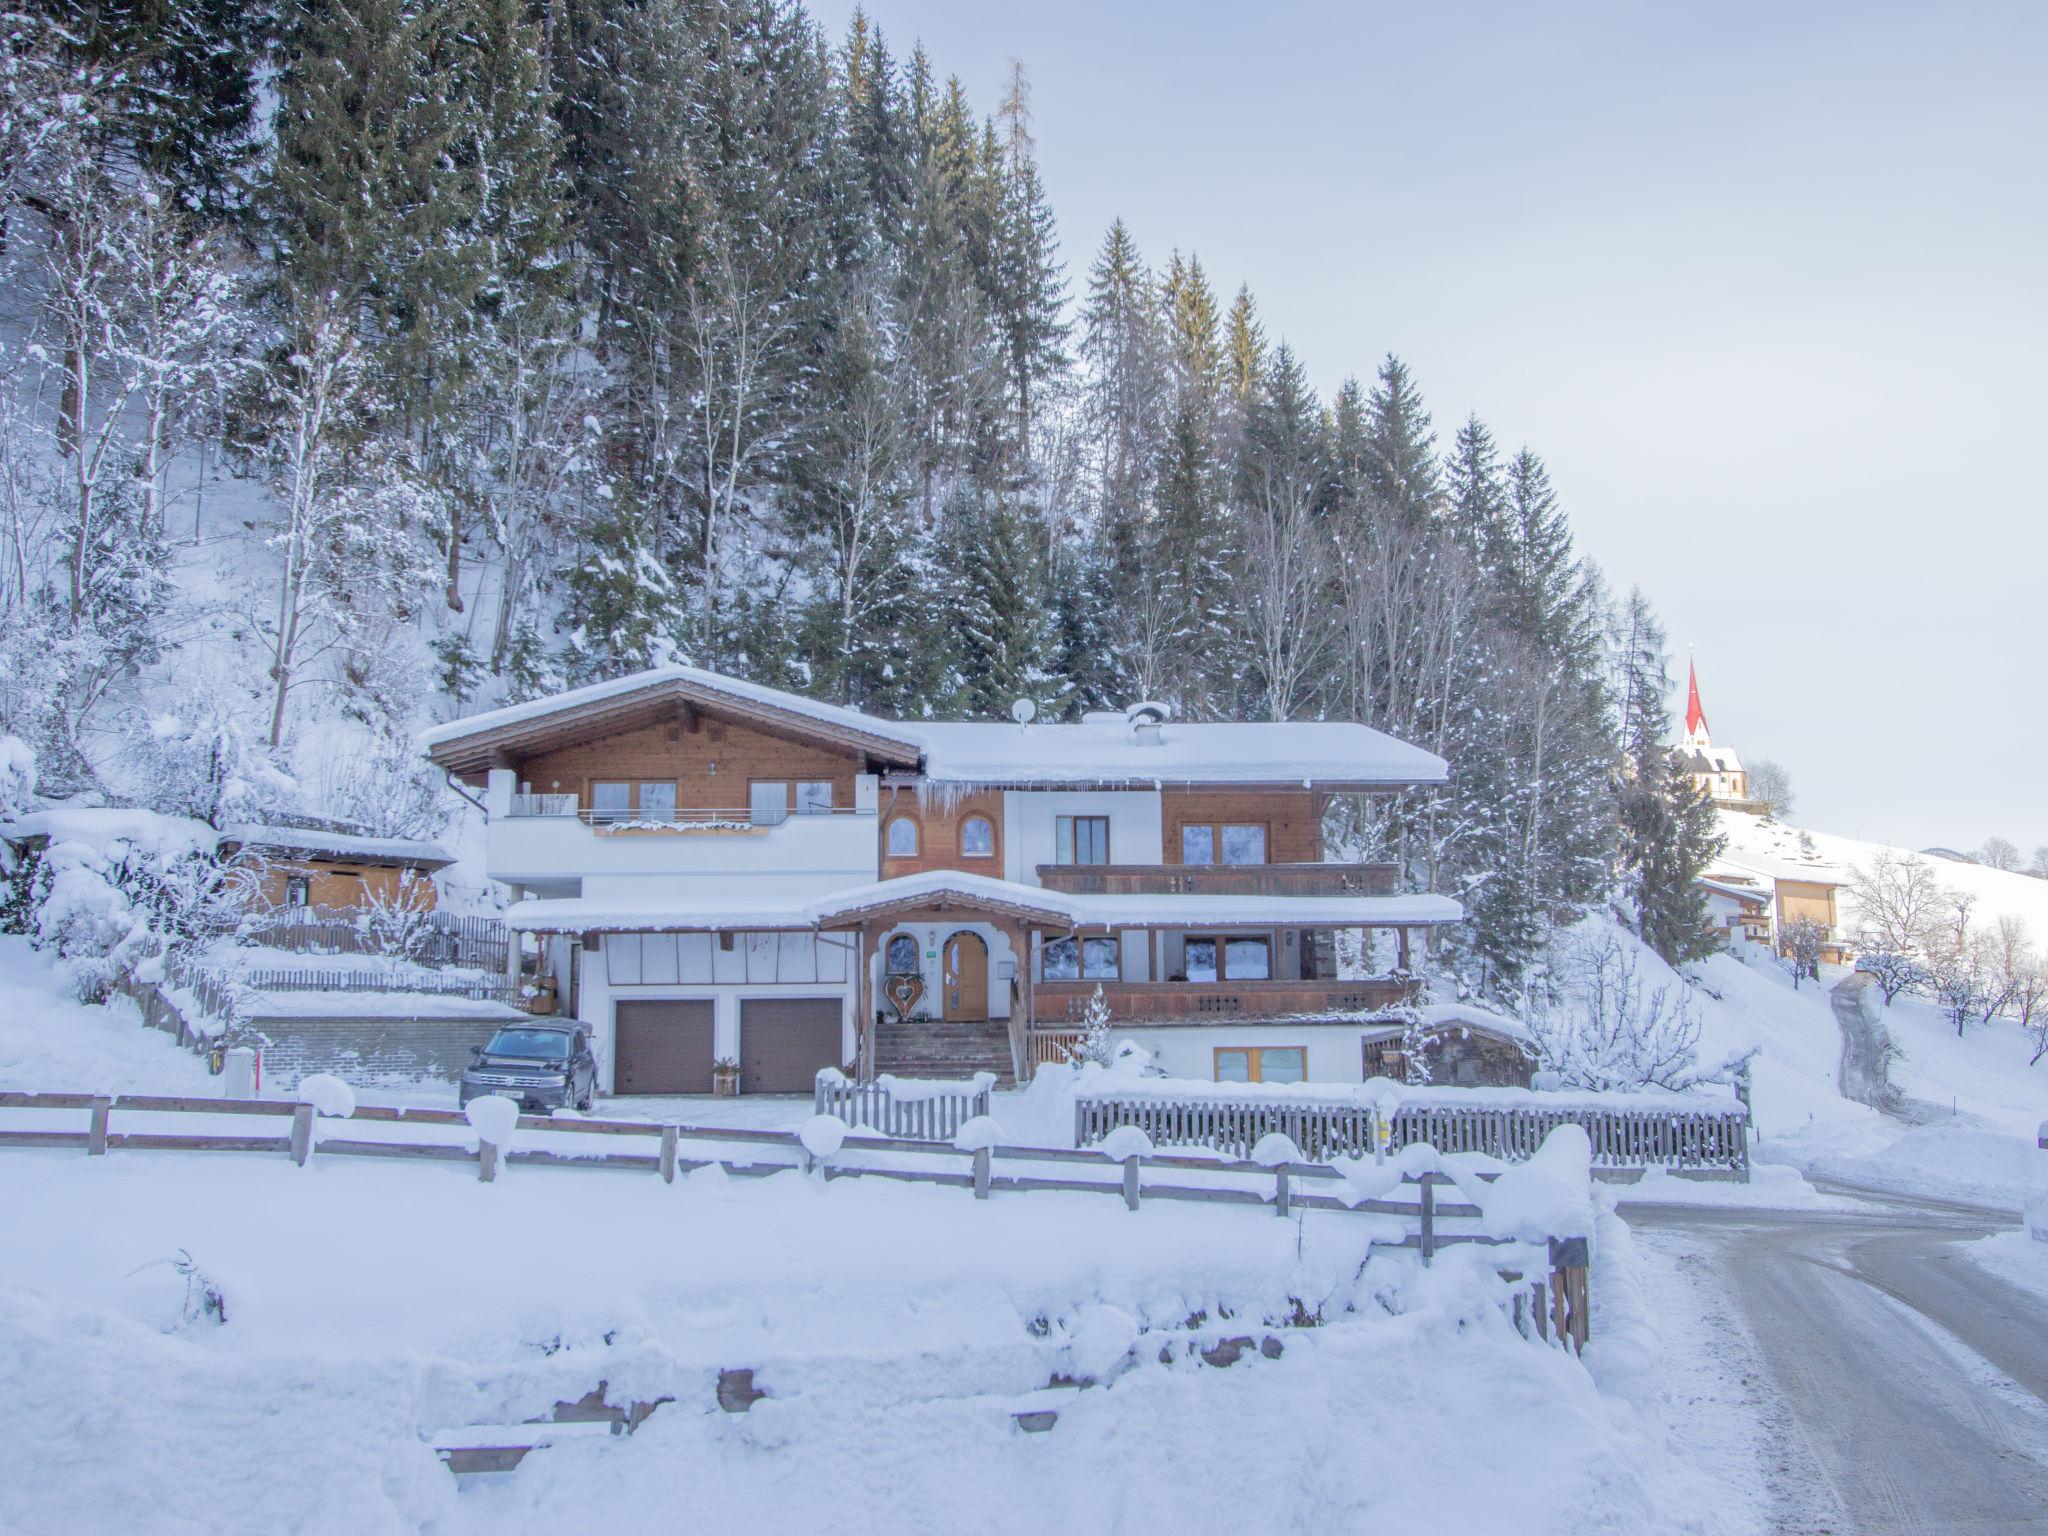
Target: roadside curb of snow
x: 1625, y: 1349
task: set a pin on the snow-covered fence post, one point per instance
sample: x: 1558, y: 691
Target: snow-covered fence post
x: 494, y: 1118
x: 96, y: 1133
x: 1127, y: 1144
x: 1427, y: 1225
x: 821, y: 1136
x: 981, y: 1172
x: 978, y: 1136
x: 1276, y: 1151
x: 668, y: 1154
x: 302, y: 1134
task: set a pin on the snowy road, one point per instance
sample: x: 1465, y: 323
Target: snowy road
x: 1886, y: 1383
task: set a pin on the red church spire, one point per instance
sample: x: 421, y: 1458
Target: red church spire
x: 1695, y: 717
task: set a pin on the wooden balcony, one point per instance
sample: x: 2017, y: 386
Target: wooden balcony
x: 1197, y: 1002
x: 1219, y: 879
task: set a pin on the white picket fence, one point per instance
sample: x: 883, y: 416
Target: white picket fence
x: 1703, y: 1135
x: 912, y: 1108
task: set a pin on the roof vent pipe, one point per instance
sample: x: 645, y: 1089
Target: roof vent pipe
x: 1145, y: 719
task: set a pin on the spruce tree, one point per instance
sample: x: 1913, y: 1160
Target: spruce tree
x: 1668, y: 832
x: 1401, y: 463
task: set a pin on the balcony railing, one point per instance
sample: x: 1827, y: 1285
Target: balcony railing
x: 1219, y: 879
x: 676, y: 819
x: 1137, y: 1002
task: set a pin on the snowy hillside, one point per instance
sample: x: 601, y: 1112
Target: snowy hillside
x: 1771, y: 847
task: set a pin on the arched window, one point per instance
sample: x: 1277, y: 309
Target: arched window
x: 977, y: 838
x: 902, y: 956
x: 902, y: 838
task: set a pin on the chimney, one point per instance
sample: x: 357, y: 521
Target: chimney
x: 1146, y: 719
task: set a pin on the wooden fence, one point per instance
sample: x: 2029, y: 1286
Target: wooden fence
x: 1706, y: 1137
x: 933, y: 1112
x: 443, y: 938
x: 490, y: 989
x: 1552, y: 1306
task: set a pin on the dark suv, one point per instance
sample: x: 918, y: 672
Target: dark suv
x: 543, y: 1066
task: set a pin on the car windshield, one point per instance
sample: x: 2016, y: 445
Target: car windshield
x: 542, y: 1044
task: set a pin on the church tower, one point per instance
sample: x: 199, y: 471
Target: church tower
x: 1717, y: 770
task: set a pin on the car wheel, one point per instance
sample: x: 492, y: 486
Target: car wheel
x: 589, y: 1093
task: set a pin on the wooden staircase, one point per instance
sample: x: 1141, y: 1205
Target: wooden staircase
x: 944, y: 1048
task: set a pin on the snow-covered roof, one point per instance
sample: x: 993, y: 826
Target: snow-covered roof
x: 1727, y: 886
x: 696, y: 679
x: 1235, y: 752
x: 103, y: 826
x: 580, y: 914
x: 1103, y: 750
x: 388, y: 850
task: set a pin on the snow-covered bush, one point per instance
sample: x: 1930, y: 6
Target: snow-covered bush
x: 194, y: 759
x: 1611, y: 1025
x: 386, y: 789
x: 1094, y: 1043
x: 105, y: 903
x: 399, y: 924
x: 17, y: 776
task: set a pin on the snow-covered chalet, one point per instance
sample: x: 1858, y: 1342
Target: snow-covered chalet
x: 719, y: 872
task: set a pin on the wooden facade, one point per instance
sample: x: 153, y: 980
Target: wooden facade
x: 939, y: 833
x: 712, y: 763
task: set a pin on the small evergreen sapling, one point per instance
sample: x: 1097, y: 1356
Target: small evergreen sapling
x: 1094, y: 1045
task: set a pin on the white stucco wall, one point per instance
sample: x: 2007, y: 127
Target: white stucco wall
x: 1335, y: 1051
x: 1030, y: 822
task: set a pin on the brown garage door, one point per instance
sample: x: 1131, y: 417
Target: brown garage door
x: 785, y: 1040
x: 662, y: 1047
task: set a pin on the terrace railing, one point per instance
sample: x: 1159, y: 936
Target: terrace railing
x: 1220, y: 879
x: 1132, y: 1002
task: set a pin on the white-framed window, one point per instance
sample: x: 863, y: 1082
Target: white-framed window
x: 813, y: 797
x: 1072, y: 959
x: 657, y: 800
x: 611, y: 799
x: 902, y: 838
x: 977, y: 838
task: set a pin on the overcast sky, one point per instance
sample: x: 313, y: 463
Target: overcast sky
x: 1762, y: 283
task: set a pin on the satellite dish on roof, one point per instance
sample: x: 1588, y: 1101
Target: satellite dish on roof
x: 1024, y: 711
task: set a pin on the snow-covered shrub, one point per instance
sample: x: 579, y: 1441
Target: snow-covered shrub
x: 17, y: 776
x: 1094, y: 1043
x: 204, y: 1300
x: 1611, y: 1026
x: 399, y: 924
x: 386, y: 789
x: 196, y: 760
x: 106, y: 904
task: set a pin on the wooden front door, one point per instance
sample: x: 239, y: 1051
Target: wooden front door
x: 966, y: 978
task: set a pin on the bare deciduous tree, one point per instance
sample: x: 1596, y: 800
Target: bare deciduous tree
x: 1900, y: 905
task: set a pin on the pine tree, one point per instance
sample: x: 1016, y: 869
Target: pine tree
x: 1401, y: 463
x: 1668, y: 833
x: 1003, y: 625
x: 1030, y: 290
x: 1474, y: 498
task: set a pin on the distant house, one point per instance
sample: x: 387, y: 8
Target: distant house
x: 309, y: 861
x: 1794, y: 891
x: 717, y: 871
x: 1740, y: 907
